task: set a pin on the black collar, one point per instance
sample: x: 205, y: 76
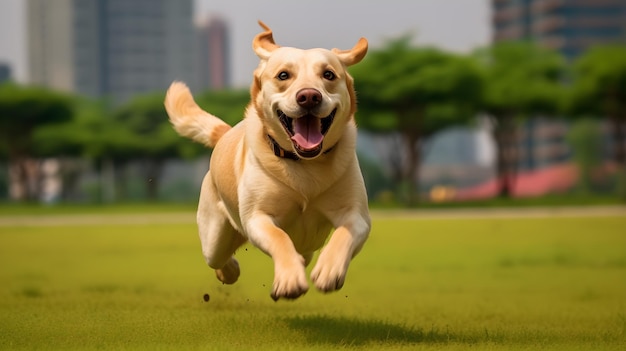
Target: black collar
x: 280, y: 152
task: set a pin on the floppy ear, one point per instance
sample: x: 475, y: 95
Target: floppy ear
x: 354, y: 55
x: 263, y: 44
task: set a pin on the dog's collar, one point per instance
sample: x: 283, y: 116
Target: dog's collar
x: 282, y: 153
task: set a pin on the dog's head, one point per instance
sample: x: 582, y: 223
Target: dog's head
x: 304, y: 97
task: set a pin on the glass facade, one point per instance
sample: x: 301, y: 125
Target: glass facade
x: 567, y: 26
x: 117, y: 48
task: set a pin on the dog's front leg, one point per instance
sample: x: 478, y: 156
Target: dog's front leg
x: 346, y: 241
x: 289, y: 273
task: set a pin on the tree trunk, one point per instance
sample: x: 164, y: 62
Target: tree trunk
x: 506, y: 162
x: 120, y: 173
x: 411, y: 172
x: 24, y: 179
x: 107, y: 180
x: 619, y: 140
x: 619, y: 151
x: 395, y: 159
x: 154, y: 168
x: 71, y: 172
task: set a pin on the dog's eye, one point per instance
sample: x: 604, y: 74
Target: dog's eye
x: 329, y: 75
x: 283, y: 75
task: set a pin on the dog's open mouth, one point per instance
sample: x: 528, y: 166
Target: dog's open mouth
x: 307, y: 132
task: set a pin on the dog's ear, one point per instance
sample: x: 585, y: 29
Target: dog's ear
x: 354, y: 55
x: 263, y: 44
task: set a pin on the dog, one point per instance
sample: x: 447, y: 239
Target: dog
x: 286, y: 175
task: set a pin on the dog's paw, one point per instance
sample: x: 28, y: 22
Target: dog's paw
x: 229, y: 273
x: 289, y: 281
x: 329, y: 273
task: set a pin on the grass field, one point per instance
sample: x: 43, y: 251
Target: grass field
x: 419, y: 284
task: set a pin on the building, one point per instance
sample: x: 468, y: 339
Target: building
x: 212, y: 66
x: 568, y: 26
x: 50, y: 47
x: 542, y: 143
x: 110, y: 48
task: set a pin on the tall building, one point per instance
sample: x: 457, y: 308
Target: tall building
x: 50, y: 46
x: 110, y: 48
x: 212, y: 67
x: 569, y: 26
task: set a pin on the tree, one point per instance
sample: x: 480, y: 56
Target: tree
x: 520, y: 79
x: 91, y: 135
x: 229, y: 105
x: 22, y: 111
x: 143, y: 131
x: 414, y: 92
x: 585, y: 139
x: 599, y: 89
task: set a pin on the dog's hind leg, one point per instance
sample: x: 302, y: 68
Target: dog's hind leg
x: 218, y: 237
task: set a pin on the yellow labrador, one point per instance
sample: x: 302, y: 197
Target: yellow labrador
x: 287, y: 174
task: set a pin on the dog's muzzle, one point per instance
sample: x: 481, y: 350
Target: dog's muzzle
x: 307, y: 132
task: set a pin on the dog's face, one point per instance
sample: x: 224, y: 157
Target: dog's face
x: 304, y: 97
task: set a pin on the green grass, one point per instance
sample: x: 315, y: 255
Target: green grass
x: 18, y: 209
x: 554, y: 200
x: 551, y: 200
x: 419, y: 284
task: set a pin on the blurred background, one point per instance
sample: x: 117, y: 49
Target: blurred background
x: 473, y: 101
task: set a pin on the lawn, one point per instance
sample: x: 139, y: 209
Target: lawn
x: 419, y: 284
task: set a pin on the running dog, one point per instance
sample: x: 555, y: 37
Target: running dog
x: 287, y: 175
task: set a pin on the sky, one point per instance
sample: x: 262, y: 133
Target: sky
x: 455, y: 25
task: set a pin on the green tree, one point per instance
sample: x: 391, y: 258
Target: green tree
x: 586, y: 141
x: 414, y: 92
x: 375, y: 179
x: 228, y: 104
x: 22, y: 111
x: 143, y: 132
x: 520, y: 79
x: 599, y: 89
x: 91, y: 135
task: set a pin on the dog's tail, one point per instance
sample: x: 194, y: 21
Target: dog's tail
x: 189, y: 120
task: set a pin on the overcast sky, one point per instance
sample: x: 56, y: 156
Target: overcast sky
x: 457, y: 25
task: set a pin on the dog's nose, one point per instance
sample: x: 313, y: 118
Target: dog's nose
x: 308, y: 98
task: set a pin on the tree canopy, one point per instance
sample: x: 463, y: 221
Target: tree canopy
x: 23, y: 110
x: 520, y: 79
x: 415, y: 92
x: 599, y: 89
x: 228, y: 105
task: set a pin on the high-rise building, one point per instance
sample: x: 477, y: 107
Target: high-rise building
x: 110, y: 48
x: 213, y: 54
x: 569, y: 26
x: 50, y: 46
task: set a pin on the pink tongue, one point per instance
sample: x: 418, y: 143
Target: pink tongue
x: 308, y: 132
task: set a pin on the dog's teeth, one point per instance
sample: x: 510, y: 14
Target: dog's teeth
x: 286, y: 121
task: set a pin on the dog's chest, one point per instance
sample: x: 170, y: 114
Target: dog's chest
x: 308, y: 229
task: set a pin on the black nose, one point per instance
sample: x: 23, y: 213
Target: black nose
x: 308, y: 97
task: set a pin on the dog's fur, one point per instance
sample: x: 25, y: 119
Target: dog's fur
x: 285, y: 206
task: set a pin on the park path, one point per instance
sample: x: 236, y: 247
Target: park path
x: 189, y: 217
